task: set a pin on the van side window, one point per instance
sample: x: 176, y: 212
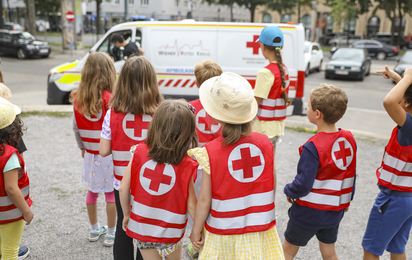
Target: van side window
x: 110, y: 48
x: 138, y: 38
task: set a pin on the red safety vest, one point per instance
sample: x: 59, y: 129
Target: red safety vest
x: 127, y: 130
x: 8, y: 211
x: 333, y: 185
x: 242, y: 185
x: 159, y: 198
x: 207, y: 128
x: 395, y: 172
x: 90, y: 127
x: 273, y: 108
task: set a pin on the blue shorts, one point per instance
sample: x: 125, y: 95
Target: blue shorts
x: 389, y: 224
x: 300, y: 236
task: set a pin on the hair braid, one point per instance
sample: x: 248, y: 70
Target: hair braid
x: 279, y: 61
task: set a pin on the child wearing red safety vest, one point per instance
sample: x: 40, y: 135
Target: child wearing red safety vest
x: 390, y: 219
x: 157, y: 190
x: 236, y: 202
x: 90, y: 104
x: 325, y: 183
x: 14, y: 183
x: 133, y: 104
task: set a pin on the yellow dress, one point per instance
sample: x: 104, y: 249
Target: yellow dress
x: 258, y: 245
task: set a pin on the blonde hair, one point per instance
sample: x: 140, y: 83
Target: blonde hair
x: 171, y: 132
x: 137, y: 91
x: 232, y: 133
x: 98, y: 75
x: 5, y: 92
x: 332, y: 101
x: 279, y: 61
x: 205, y: 70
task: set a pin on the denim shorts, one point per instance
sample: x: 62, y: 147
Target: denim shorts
x: 299, y: 236
x: 162, y: 248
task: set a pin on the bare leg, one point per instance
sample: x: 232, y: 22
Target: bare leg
x: 151, y: 254
x: 369, y: 256
x: 328, y: 251
x: 111, y: 214
x: 92, y: 211
x: 398, y: 256
x: 289, y: 250
x: 176, y: 255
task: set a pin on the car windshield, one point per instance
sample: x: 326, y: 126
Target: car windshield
x: 307, y: 47
x: 348, y: 54
x: 407, y: 58
x: 25, y: 36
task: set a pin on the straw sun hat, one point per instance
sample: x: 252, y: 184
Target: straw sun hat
x: 8, y: 113
x: 229, y: 98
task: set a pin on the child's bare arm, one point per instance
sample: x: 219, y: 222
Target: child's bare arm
x: 192, y: 200
x: 124, y: 195
x: 393, y: 100
x: 390, y: 74
x: 11, y: 179
x: 105, y: 147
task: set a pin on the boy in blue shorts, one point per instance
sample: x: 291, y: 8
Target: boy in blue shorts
x: 390, y: 220
x: 325, y: 183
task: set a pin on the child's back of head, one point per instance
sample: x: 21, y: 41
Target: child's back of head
x: 205, y: 70
x: 137, y: 91
x: 332, y: 101
x: 171, y: 132
x: 98, y: 75
x: 5, y: 92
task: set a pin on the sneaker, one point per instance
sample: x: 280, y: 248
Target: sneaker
x: 109, y: 240
x: 95, y: 234
x: 23, y: 252
x: 191, y: 252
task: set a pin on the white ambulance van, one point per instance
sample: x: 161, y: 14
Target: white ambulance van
x: 174, y: 48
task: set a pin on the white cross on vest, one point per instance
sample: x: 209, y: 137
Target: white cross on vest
x: 157, y: 179
x: 205, y: 123
x: 135, y: 126
x: 342, y: 153
x: 94, y: 118
x: 246, y: 162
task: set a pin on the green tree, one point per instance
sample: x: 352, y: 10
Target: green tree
x: 229, y: 3
x: 252, y: 4
x: 303, y: 3
x: 47, y: 7
x: 404, y: 7
x: 283, y: 6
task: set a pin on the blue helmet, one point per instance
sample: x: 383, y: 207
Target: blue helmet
x: 269, y: 33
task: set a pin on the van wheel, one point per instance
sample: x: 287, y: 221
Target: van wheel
x: 381, y: 56
x: 307, y: 71
x: 21, y: 54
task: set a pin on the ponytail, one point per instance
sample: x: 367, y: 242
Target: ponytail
x: 279, y: 61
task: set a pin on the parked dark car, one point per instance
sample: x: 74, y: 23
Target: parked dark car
x: 13, y: 27
x: 386, y: 39
x: 376, y: 49
x: 404, y: 62
x: 22, y: 44
x: 348, y: 63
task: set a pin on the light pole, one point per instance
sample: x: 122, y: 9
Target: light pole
x: 218, y: 14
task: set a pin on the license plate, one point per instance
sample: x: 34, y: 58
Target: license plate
x: 44, y: 51
x: 342, y: 72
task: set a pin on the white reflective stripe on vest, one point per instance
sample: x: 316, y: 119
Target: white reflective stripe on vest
x: 95, y: 134
x: 91, y: 146
x: 119, y: 170
x: 122, y: 155
x: 259, y: 199
x: 154, y: 231
x: 397, y: 164
x: 252, y: 219
x: 334, y: 184
x: 6, y: 201
x: 404, y: 181
x: 330, y: 200
x: 11, y: 214
x: 159, y: 214
x: 272, y: 102
x: 271, y: 113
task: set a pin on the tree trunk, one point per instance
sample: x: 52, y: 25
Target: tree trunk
x: 298, y: 11
x: 393, y: 25
x: 231, y: 12
x: 400, y: 23
x: 252, y: 12
x: 32, y: 17
x: 8, y: 10
x: 98, y: 30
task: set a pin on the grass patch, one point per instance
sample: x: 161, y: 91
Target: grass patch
x: 62, y: 196
x: 49, y: 33
x: 326, y: 49
x: 38, y: 221
x: 55, y: 44
x: 54, y: 188
x: 301, y: 129
x: 52, y: 114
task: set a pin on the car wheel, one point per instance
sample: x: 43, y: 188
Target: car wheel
x: 369, y: 70
x: 21, y: 54
x: 45, y: 56
x: 361, y: 76
x: 320, y: 65
x: 327, y: 76
x: 381, y: 56
x: 307, y: 71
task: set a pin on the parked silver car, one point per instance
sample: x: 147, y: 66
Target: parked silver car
x: 343, y: 40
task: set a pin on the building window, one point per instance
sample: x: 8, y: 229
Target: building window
x: 116, y: 2
x: 177, y: 2
x: 131, y: 2
x: 307, y: 21
x: 351, y: 25
x: 267, y: 18
x: 286, y: 18
x: 373, y: 26
x: 144, y: 2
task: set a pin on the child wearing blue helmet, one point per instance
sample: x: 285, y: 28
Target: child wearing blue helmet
x: 270, y: 88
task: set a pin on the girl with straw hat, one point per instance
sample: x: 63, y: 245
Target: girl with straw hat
x: 238, y: 185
